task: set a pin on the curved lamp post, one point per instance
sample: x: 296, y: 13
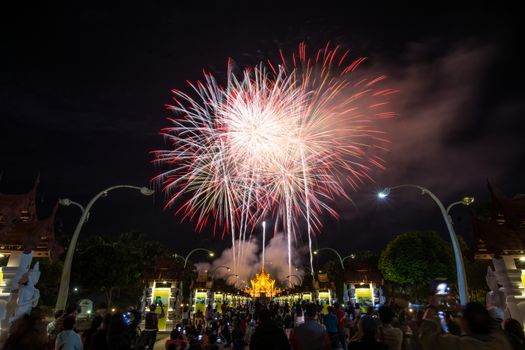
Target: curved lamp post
x: 63, y: 290
x: 210, y: 253
x: 341, y: 259
x: 458, y: 257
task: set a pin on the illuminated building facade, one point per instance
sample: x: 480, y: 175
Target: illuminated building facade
x: 162, y: 286
x: 262, y: 286
x: 362, y: 285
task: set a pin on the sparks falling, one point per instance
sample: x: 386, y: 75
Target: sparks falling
x: 282, y: 141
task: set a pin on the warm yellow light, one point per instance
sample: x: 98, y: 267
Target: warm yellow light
x: 113, y: 310
x: 468, y: 200
x: 262, y: 285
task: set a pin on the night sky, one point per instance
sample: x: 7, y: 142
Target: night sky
x: 84, y: 85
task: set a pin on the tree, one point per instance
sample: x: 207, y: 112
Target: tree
x: 335, y: 274
x: 114, y: 267
x: 51, y: 271
x: 414, y: 259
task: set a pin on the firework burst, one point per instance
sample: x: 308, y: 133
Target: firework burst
x: 279, y: 140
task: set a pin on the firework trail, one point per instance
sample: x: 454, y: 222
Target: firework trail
x: 283, y: 140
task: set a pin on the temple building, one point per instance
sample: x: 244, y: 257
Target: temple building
x: 362, y: 285
x: 22, y: 230
x: 500, y: 228
x: 499, y: 235
x: 162, y: 280
x: 262, y: 286
x: 22, y: 236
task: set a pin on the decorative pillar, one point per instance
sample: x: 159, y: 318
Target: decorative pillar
x: 509, y: 277
x: 17, y: 265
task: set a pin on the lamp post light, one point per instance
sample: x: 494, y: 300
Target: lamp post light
x: 63, y: 290
x: 211, y: 254
x: 341, y: 259
x: 458, y: 257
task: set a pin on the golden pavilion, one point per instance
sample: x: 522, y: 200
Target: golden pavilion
x: 262, y: 286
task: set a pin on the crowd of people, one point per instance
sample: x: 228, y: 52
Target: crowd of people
x: 256, y: 326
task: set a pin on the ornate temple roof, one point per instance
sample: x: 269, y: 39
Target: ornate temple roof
x: 262, y: 286
x: 14, y: 207
x: 164, y: 268
x: 22, y: 230
x: 502, y: 229
x: 362, y: 271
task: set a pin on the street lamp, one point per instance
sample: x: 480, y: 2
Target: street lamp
x: 341, y: 259
x: 211, y: 254
x: 66, y: 270
x: 460, y: 267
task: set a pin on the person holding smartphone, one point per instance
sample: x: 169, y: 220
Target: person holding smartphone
x: 151, y: 325
x: 477, y: 328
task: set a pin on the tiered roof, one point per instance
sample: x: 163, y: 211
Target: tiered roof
x: 361, y: 271
x: 22, y: 230
x: 262, y: 286
x: 502, y: 231
x: 163, y: 268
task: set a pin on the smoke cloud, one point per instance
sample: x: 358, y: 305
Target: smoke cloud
x: 276, y: 262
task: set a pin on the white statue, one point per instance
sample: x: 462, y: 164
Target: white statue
x: 495, y: 298
x: 28, y: 295
x: 17, y: 267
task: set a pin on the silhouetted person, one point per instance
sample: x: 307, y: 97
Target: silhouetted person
x: 267, y: 335
x: 514, y: 331
x: 87, y: 337
x: 477, y: 328
x: 27, y: 333
x: 68, y: 339
x: 151, y: 325
x: 100, y: 339
x: 391, y: 336
x: 118, y: 334
x: 309, y: 335
x: 366, y: 336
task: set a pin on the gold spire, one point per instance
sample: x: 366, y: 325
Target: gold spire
x: 262, y: 285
